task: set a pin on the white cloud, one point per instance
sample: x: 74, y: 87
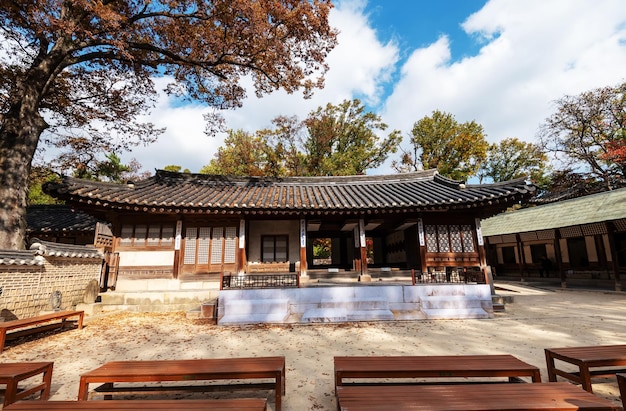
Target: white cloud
x: 533, y: 53
x: 358, y: 65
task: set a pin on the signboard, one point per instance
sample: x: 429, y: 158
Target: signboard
x: 179, y: 229
x: 420, y: 232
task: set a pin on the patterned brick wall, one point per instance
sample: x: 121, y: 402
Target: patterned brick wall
x: 26, y: 289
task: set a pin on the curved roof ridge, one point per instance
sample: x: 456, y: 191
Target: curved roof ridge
x: 162, y: 175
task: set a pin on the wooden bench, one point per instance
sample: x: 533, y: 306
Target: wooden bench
x: 12, y: 374
x: 28, y: 323
x: 621, y: 382
x: 239, y: 404
x: 187, y: 370
x: 585, y: 358
x: 449, y: 366
x: 560, y: 396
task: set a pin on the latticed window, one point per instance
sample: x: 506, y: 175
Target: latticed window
x: 147, y: 235
x: 274, y: 248
x: 444, y: 238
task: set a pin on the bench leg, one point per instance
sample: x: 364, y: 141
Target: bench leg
x: 3, y: 337
x: 585, y: 378
x: 10, y: 393
x: 550, y: 366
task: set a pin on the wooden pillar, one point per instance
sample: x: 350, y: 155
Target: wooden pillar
x: 520, y: 255
x: 614, y: 257
x: 482, y: 258
x: 422, y: 246
x: 559, y: 257
x: 242, y: 259
x: 303, y: 259
x: 177, y: 244
x: 365, y: 276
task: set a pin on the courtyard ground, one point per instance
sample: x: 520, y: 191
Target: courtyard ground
x: 537, y: 319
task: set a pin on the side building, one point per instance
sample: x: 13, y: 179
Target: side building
x: 577, y: 241
x: 180, y: 225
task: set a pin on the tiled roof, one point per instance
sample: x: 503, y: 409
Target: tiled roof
x: 58, y: 218
x: 38, y: 249
x: 606, y: 206
x: 168, y: 192
x: 20, y: 257
x: 51, y: 249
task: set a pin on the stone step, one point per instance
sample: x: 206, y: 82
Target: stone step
x: 325, y: 315
x: 252, y: 307
x: 268, y: 317
x: 157, y: 297
x: 452, y: 313
x: 351, y: 304
x: 450, y: 302
x: 371, y: 315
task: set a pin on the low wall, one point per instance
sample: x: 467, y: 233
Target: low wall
x: 405, y: 302
x: 28, y: 278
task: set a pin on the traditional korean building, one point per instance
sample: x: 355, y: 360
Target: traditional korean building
x: 180, y: 225
x: 580, y: 241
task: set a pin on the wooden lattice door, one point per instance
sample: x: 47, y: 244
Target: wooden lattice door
x: 210, y: 250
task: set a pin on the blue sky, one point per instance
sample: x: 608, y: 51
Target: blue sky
x: 501, y: 63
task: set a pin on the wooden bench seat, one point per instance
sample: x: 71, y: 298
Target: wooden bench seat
x: 592, y: 362
x: 12, y: 374
x: 254, y: 368
x: 559, y: 396
x: 239, y: 404
x: 364, y: 368
x: 26, y: 324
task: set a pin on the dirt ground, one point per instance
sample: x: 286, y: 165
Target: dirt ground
x: 537, y: 319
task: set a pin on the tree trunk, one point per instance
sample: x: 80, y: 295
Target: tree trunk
x: 19, y: 135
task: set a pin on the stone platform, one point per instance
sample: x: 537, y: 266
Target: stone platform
x: 355, y: 303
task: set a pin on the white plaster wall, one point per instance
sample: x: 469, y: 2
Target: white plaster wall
x: 146, y: 258
x: 256, y: 229
x: 607, y: 247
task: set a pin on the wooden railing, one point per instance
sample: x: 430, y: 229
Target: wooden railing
x: 289, y: 280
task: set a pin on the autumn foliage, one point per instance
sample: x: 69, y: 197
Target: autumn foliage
x: 81, y: 72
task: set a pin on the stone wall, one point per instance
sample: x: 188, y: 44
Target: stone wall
x: 26, y: 285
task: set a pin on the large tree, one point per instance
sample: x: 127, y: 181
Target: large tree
x: 343, y: 140
x: 85, y: 68
x: 587, y: 131
x: 455, y: 149
x: 513, y: 158
x: 333, y: 140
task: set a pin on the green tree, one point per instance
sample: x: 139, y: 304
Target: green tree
x: 175, y: 169
x: 87, y: 67
x: 512, y: 158
x: 455, y: 149
x: 343, y: 140
x: 242, y: 154
x: 40, y: 175
x: 586, y: 132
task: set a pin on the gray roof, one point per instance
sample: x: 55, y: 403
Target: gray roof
x: 38, y: 249
x: 58, y: 219
x: 168, y: 192
x: 595, y: 208
x: 20, y: 257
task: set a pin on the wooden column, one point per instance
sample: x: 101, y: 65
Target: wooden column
x: 241, y: 248
x: 558, y: 256
x: 365, y: 276
x: 303, y: 263
x: 482, y: 258
x: 178, y: 235
x: 422, y: 246
x: 614, y: 258
x: 520, y: 255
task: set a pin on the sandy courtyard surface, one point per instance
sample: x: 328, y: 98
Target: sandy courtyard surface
x: 536, y: 320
